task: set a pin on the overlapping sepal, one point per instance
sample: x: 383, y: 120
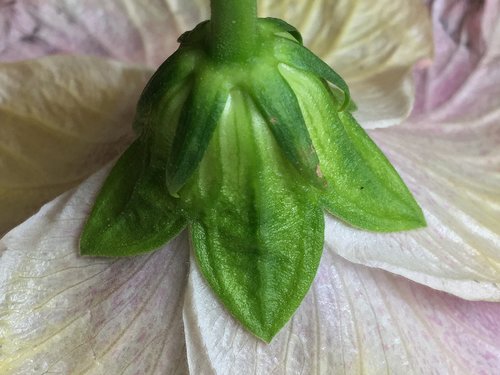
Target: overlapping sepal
x: 363, y: 187
x: 199, y: 117
x: 280, y: 108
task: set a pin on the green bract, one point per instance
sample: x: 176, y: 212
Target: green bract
x: 248, y: 155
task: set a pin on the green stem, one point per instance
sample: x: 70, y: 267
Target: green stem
x: 234, y: 24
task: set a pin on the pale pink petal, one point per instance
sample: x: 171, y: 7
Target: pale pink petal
x: 355, y: 320
x: 462, y: 83
x: 61, y: 119
x: 126, y: 30
x: 62, y: 313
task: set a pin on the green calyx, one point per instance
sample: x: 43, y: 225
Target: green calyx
x: 247, y: 151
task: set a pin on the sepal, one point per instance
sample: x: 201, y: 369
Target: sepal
x: 195, y: 36
x: 176, y: 71
x: 257, y: 232
x: 279, y: 27
x: 363, y: 187
x: 133, y: 212
x: 199, y: 117
x: 280, y: 108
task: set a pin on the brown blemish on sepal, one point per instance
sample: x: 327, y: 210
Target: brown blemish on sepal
x: 320, y: 175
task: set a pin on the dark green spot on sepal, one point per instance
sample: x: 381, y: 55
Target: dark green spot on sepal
x: 365, y: 189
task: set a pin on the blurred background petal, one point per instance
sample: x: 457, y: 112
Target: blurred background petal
x: 126, y: 30
x: 61, y: 119
x: 462, y: 84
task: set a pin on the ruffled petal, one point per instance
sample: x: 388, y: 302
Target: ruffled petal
x: 61, y: 119
x: 462, y: 83
x: 355, y: 320
x: 373, y: 44
x: 63, y: 313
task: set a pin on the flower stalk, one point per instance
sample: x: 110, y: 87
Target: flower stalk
x: 233, y: 29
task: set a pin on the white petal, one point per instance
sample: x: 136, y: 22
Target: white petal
x: 384, y: 99
x: 456, y: 180
x: 62, y: 313
x: 61, y: 119
x: 353, y: 321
